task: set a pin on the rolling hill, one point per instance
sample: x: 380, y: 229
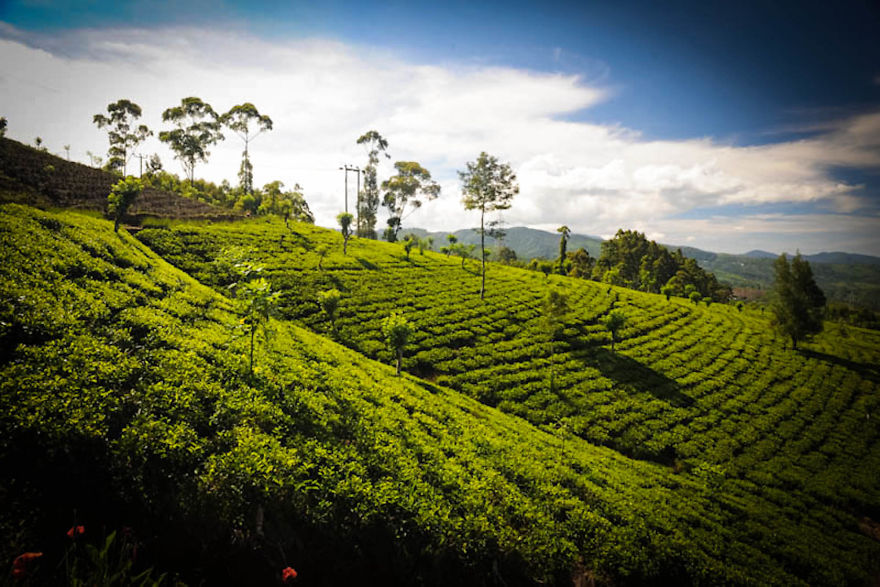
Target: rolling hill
x: 844, y: 277
x: 513, y: 451
x: 126, y: 378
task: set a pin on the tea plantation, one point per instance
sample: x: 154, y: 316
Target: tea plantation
x: 699, y: 450
x: 709, y: 391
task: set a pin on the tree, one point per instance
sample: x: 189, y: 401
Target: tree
x: 197, y: 128
x: 239, y: 120
x: 410, y: 185
x: 797, y: 302
x: 272, y: 199
x: 425, y: 243
x: 259, y: 303
x: 462, y: 250
x: 329, y: 302
x: 321, y: 251
x: 408, y: 242
x: 3, y: 125
x: 121, y: 132
x: 581, y: 263
x: 613, y: 322
x: 564, y: 233
x: 67, y: 151
x: 122, y: 194
x: 344, y: 219
x: 450, y: 248
x: 397, y: 331
x: 368, y: 205
x: 487, y: 186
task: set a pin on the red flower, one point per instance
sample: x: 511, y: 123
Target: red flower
x: 288, y: 575
x: 76, y: 531
x: 21, y: 562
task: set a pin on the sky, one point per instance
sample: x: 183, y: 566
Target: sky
x: 728, y: 126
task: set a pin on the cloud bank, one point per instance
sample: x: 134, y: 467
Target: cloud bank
x: 323, y: 94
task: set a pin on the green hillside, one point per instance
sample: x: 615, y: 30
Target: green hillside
x: 855, y: 283
x: 787, y: 439
x: 527, y: 242
x: 127, y: 399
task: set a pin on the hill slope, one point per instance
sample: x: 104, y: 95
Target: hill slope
x: 528, y: 243
x: 787, y: 436
x: 34, y: 177
x: 127, y: 381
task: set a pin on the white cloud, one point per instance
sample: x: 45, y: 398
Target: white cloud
x: 322, y: 95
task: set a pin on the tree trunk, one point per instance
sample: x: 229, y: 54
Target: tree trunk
x: 482, y: 253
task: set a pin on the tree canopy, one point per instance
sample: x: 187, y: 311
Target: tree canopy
x: 798, y: 304
x: 631, y: 260
x: 123, y: 135
x: 197, y: 127
x: 122, y: 194
x: 409, y: 186
x: 247, y: 122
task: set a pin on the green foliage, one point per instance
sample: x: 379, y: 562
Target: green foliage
x: 121, y: 197
x: 257, y: 303
x: 564, y: 233
x: 397, y: 332
x: 409, y: 242
x: 581, y: 263
x: 614, y: 322
x: 124, y: 137
x: 197, y: 127
x: 345, y: 219
x: 798, y: 303
x: 631, y: 260
x: 329, y: 302
x: 555, y: 309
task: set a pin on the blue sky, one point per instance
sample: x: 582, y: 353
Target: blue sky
x: 682, y: 92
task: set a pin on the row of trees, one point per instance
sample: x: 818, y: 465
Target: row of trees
x: 196, y: 126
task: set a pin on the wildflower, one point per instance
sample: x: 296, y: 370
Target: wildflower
x: 76, y: 531
x: 21, y: 562
x: 288, y: 575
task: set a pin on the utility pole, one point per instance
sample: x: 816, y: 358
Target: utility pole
x: 348, y: 168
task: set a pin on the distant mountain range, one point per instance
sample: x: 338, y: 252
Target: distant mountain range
x: 844, y: 277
